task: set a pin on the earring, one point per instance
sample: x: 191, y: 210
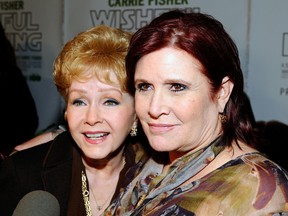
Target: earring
x: 65, y: 116
x: 223, y: 118
x: 133, y: 131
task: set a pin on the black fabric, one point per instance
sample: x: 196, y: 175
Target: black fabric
x: 45, y: 167
x: 19, y: 118
x: 56, y: 167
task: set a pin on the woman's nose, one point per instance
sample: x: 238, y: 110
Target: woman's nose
x: 158, y: 105
x: 94, y: 116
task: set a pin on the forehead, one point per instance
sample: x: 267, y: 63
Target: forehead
x: 108, y: 76
x: 95, y: 85
x: 168, y: 61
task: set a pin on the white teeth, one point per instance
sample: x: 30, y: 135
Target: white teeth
x: 94, y: 136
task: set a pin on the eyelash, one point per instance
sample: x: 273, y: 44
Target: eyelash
x: 111, y: 102
x: 175, y: 87
x: 108, y: 102
x: 143, y: 87
x: 78, y: 102
x: 180, y: 87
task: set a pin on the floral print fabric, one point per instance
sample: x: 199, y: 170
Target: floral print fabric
x: 248, y: 185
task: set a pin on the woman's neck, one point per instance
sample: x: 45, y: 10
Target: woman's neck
x: 102, y: 180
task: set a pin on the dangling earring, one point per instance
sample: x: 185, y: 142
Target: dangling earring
x: 133, y: 131
x: 223, y: 118
x: 65, y: 116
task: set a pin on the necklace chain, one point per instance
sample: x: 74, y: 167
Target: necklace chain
x: 85, y: 194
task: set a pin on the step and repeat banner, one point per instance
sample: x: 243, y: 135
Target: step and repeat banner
x: 267, y: 79
x: 39, y: 28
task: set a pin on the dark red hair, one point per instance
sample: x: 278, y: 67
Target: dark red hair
x: 204, y: 38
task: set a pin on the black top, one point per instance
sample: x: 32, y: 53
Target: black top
x: 51, y: 167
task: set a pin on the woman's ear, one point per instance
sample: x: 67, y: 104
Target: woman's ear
x: 224, y: 93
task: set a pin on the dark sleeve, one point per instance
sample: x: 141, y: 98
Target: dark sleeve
x: 20, y: 174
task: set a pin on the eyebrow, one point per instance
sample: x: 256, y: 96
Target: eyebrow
x: 169, y: 81
x: 98, y: 89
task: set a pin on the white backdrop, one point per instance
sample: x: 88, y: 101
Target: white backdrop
x: 268, y: 60
x: 259, y: 28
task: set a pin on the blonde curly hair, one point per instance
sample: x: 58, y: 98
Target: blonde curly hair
x: 95, y: 52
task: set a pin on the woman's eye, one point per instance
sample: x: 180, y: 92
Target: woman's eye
x: 143, y: 87
x: 78, y: 102
x: 177, y: 87
x: 111, y: 102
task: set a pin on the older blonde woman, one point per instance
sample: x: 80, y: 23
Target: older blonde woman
x: 87, y: 165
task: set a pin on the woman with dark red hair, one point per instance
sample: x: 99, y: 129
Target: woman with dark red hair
x: 185, y: 72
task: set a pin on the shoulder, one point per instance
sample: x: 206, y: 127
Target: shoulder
x: 259, y: 159
x: 263, y: 171
x: 20, y: 173
x: 259, y: 179
x: 32, y: 159
x: 27, y: 156
x: 25, y: 170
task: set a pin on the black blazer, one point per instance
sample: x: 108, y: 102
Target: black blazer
x: 45, y: 167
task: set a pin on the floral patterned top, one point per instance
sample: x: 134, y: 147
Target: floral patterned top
x: 250, y: 184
